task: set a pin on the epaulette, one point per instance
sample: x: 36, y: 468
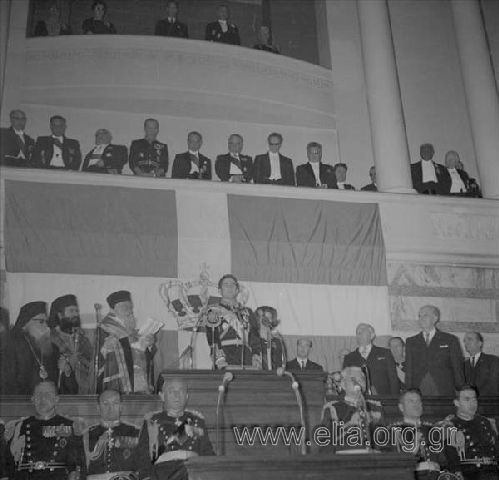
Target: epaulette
x: 195, y: 412
x: 493, y: 425
x: 10, y: 427
x: 148, y: 416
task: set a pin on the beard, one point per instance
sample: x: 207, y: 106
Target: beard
x: 68, y: 325
x: 42, y: 342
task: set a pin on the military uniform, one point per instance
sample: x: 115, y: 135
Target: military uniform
x: 43, y: 449
x: 337, y: 413
x: 478, y: 447
x: 110, y: 447
x: 169, y: 441
x: 148, y: 157
x: 416, y: 439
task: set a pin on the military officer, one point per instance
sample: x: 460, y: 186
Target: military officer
x: 172, y: 435
x: 46, y: 445
x: 110, y: 445
x: 478, y: 444
x: 415, y: 436
x: 148, y: 156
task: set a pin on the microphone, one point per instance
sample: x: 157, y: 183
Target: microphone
x: 227, y: 378
x: 299, y: 400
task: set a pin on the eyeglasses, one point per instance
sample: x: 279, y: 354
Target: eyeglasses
x: 275, y: 143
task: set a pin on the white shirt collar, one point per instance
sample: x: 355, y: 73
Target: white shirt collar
x: 431, y: 332
x: 61, y: 138
x: 223, y: 22
x: 196, y: 154
x: 18, y: 132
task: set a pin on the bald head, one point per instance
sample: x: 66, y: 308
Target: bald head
x: 451, y: 159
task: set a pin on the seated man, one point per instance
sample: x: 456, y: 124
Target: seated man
x: 192, y: 164
x: 149, y: 156
x: 265, y: 40
x: 429, y: 177
x: 35, y: 357
x: 472, y: 186
x: 302, y: 362
x: 231, y: 328
x: 477, y: 441
x: 170, y: 436
x: 427, y: 442
x: 105, y: 157
x: 275, y: 356
x: 57, y: 151
x: 314, y: 173
x: 371, y: 187
x: 45, y: 445
x: 340, y: 170
x: 273, y: 167
x: 222, y: 30
x: 352, y: 418
x: 170, y: 26
x: 16, y: 146
x: 377, y: 362
x: 234, y: 166
x: 110, y: 445
x: 67, y: 334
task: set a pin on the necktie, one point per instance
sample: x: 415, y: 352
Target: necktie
x: 427, y: 339
x: 472, y: 361
x: 302, y: 362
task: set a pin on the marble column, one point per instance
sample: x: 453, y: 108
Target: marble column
x: 389, y: 140
x: 481, y: 92
x: 4, y: 38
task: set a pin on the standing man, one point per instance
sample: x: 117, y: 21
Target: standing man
x: 70, y: 339
x: 192, y: 164
x: 429, y: 177
x: 478, y: 441
x: 57, y: 151
x: 45, y: 446
x: 234, y: 166
x: 172, y: 435
x: 148, y: 156
x: 397, y: 347
x: 170, y: 26
x: 223, y: 31
x: 378, y: 364
x: 302, y: 362
x: 272, y: 167
x: 231, y: 328
x: 110, y: 445
x: 481, y: 370
x: 273, y: 349
x: 434, y: 361
x: 105, y: 157
x: 35, y: 357
x: 16, y: 146
x: 314, y: 173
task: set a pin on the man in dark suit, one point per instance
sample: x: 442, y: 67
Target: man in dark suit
x: 57, y: 151
x: 302, y: 362
x: 397, y: 347
x: 234, y: 166
x: 371, y: 187
x: 481, y: 370
x: 170, y: 26
x: 429, y: 177
x: 105, y: 157
x: 192, y: 164
x: 272, y: 167
x: 340, y: 171
x: 149, y: 156
x: 434, y: 361
x: 222, y: 30
x: 16, y: 146
x: 379, y: 363
x: 314, y: 173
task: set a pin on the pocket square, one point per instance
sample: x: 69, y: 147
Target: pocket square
x: 380, y: 358
x: 444, y: 346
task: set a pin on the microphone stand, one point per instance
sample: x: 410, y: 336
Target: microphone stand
x: 98, y: 308
x: 220, y: 404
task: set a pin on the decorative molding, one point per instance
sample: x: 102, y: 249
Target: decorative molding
x: 465, y: 226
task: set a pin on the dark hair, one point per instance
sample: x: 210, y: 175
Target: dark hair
x: 151, y: 120
x: 228, y: 275
x: 57, y: 117
x: 304, y: 339
x: 410, y: 390
x: 338, y: 165
x: 195, y: 133
x: 99, y: 2
x: 172, y: 1
x: 396, y: 338
x: 465, y: 388
x: 478, y: 335
x: 313, y: 145
x: 274, y: 134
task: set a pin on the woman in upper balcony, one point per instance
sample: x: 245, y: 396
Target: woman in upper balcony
x: 53, y: 25
x: 98, y: 24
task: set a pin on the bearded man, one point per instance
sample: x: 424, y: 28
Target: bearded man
x: 35, y: 357
x: 70, y: 339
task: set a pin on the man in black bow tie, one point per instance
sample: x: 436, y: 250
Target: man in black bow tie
x: 16, y: 146
x: 57, y: 151
x: 234, y: 166
x: 192, y: 164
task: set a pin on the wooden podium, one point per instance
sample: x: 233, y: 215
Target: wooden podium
x: 313, y: 467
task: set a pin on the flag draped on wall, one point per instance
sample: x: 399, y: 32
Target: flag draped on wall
x: 320, y: 263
